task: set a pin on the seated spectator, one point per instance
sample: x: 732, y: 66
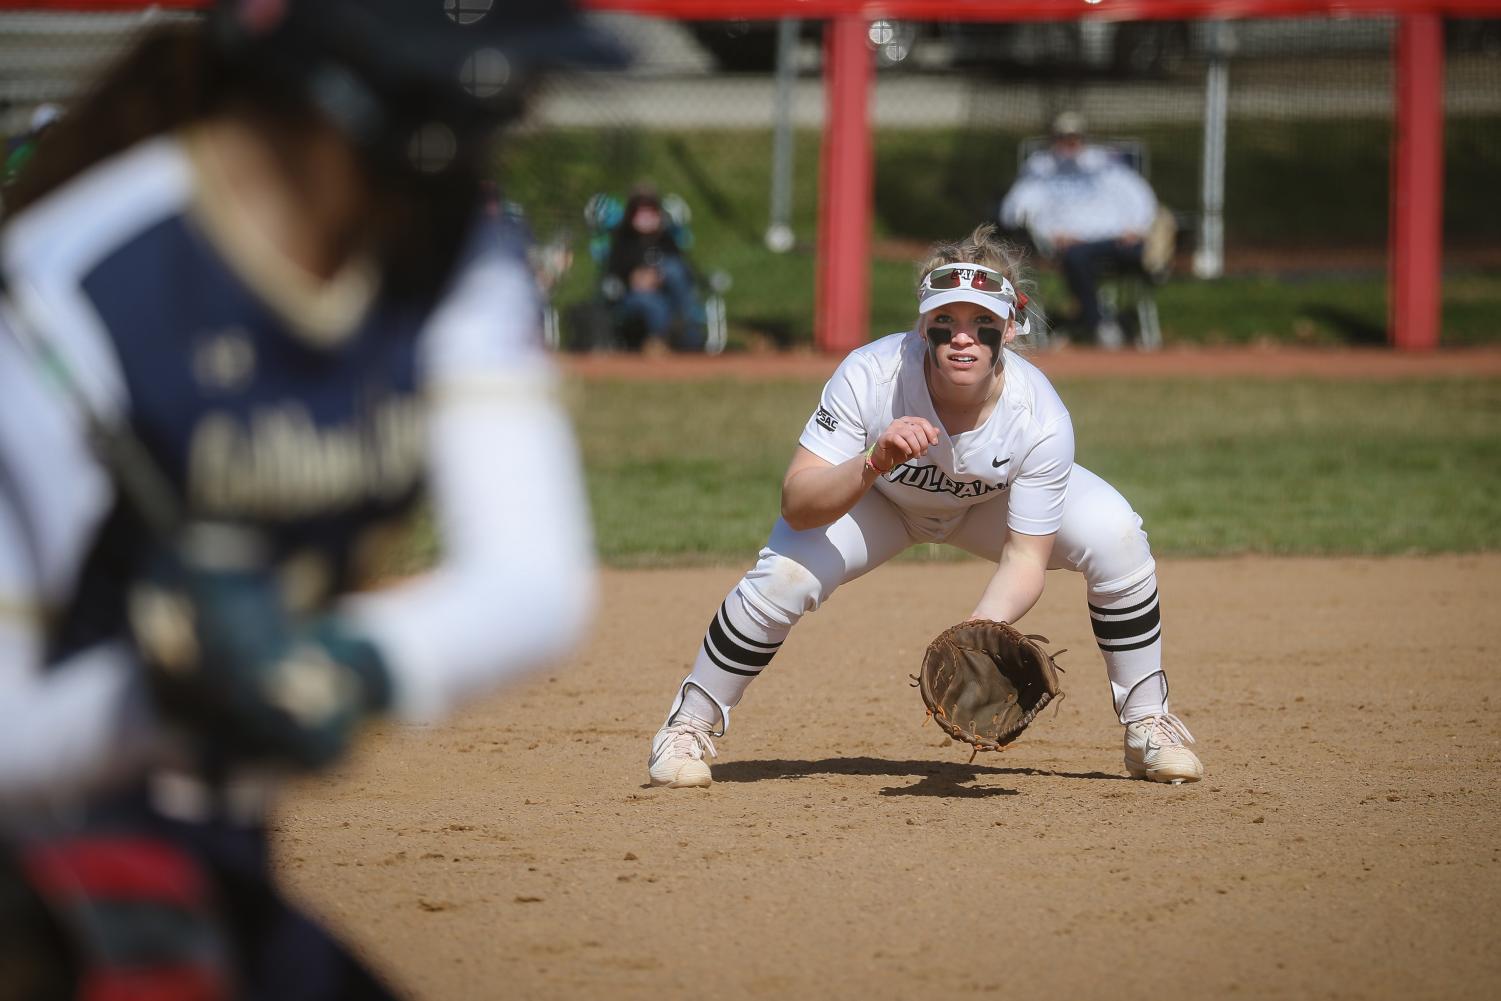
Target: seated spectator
x: 650, y: 282
x: 1086, y: 208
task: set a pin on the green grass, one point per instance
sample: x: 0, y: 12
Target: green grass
x: 688, y: 473
x: 1316, y: 311
x: 1300, y: 466
x: 1292, y: 185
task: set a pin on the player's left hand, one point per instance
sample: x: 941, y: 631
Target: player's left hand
x: 227, y: 661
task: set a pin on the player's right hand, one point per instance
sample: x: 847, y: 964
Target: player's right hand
x: 905, y: 438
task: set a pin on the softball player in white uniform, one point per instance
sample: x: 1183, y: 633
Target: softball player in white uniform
x: 963, y: 442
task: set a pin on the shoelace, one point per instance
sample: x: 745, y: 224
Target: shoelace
x: 689, y: 740
x: 1169, y: 727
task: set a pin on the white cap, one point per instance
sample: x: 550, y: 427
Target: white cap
x: 44, y: 115
x: 1068, y: 123
x: 929, y: 301
x: 1003, y: 302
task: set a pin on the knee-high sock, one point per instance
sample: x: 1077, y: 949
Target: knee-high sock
x: 739, y: 643
x: 1128, y: 628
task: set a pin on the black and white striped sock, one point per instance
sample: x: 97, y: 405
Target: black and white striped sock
x: 738, y: 644
x: 1128, y: 629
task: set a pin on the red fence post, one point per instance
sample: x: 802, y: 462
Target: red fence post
x: 1417, y: 198
x: 844, y: 196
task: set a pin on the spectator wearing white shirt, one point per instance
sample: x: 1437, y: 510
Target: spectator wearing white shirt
x: 1084, y: 206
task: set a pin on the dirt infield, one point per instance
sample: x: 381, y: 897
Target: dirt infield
x: 1343, y: 844
x: 1186, y: 362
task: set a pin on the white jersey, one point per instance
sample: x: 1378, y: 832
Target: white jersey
x: 1024, y: 450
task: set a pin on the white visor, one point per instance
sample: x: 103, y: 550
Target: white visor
x: 972, y: 283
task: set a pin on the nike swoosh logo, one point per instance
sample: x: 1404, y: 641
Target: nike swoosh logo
x: 998, y: 463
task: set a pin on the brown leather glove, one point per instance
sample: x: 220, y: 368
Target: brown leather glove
x: 985, y: 681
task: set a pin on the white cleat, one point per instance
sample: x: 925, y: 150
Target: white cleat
x: 1156, y: 750
x: 678, y: 752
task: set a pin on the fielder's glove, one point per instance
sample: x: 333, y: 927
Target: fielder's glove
x: 226, y: 660
x: 985, y: 681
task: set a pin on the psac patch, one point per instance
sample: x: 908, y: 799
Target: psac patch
x: 826, y: 420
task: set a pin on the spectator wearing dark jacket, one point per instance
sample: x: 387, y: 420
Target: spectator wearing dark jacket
x: 651, y: 281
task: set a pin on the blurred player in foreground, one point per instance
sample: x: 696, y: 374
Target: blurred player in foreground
x: 248, y: 316
x: 964, y: 442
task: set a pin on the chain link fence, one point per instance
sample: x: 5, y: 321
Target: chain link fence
x: 704, y: 116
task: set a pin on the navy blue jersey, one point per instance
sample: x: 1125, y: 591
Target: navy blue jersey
x: 316, y: 412
x: 249, y: 421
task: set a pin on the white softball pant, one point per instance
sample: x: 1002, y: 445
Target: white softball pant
x: 1100, y: 537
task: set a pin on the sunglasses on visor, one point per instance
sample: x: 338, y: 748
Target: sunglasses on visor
x: 959, y: 281
x: 973, y: 276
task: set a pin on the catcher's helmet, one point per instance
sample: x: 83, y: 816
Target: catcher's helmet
x: 384, y: 70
